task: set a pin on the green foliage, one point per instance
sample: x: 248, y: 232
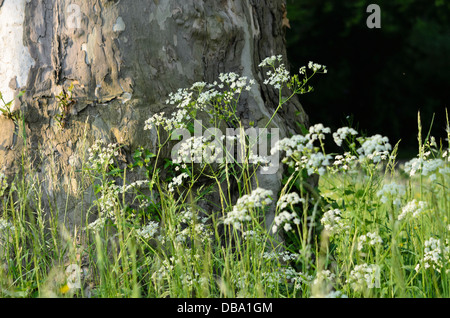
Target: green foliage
x: 65, y: 104
x: 5, y: 109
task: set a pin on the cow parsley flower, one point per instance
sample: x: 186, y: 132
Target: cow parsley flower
x: 177, y: 181
x: 315, y: 67
x: 100, y: 156
x: 317, y: 132
x: 436, y: 255
x: 392, y: 191
x: 333, y: 223
x: 342, y: 133
x: 259, y: 198
x: 375, y: 148
x: 344, y: 162
x: 370, y: 239
x: 192, y: 225
x: 413, y: 208
x: 148, y: 231
x: 277, y: 75
x: 284, y: 218
x: 314, y: 163
x: 97, y: 225
x: 364, y: 276
x: 270, y: 61
x: 289, y: 199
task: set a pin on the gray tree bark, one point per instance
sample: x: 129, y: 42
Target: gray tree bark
x: 124, y: 57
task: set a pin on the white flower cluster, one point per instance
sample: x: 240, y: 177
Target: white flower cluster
x: 332, y: 222
x: 289, y: 200
x: 286, y: 274
x: 300, y: 152
x: 435, y: 253
x: 177, y: 181
x: 345, y: 162
x: 136, y: 184
x: 97, y: 225
x: 317, y: 132
x: 189, y: 225
x: 188, y: 100
x: 285, y: 201
x: 371, y: 239
x: 413, y: 208
x: 270, y: 61
x: 235, y: 82
x: 375, y: 148
x: 364, y: 276
x: 315, y: 67
x: 314, y: 163
x: 198, y: 149
x: 392, y: 191
x: 240, y: 213
x: 178, y: 120
x: 108, y: 200
x: 285, y: 218
x: 182, y: 98
x: 431, y: 166
x: 428, y: 167
x: 278, y: 75
x: 100, y: 157
x: 197, y: 227
x: 293, y: 147
x: 148, y: 231
x: 342, y: 133
x: 280, y: 256
x: 188, y: 263
x: 107, y: 203
x: 255, y: 236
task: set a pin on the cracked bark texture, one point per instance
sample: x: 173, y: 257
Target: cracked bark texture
x: 125, y: 57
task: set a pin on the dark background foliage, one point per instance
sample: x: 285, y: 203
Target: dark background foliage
x: 378, y: 78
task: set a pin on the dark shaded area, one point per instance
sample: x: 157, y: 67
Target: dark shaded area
x: 380, y: 78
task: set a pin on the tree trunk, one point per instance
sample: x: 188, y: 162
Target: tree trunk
x: 124, y: 57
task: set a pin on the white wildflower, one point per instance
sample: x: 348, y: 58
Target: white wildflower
x: 100, y: 157
x: 177, y: 181
x: 375, y: 148
x: 332, y: 222
x: 436, y: 255
x: 240, y: 213
x: 315, y: 67
x: 270, y: 61
x: 148, y: 231
x: 413, y: 208
x: 392, y: 191
x: 97, y: 225
x: 342, y: 133
x: 364, y: 276
x: 317, y: 132
x: 289, y: 199
x: 370, y: 239
x: 198, y: 149
x: 344, y: 162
